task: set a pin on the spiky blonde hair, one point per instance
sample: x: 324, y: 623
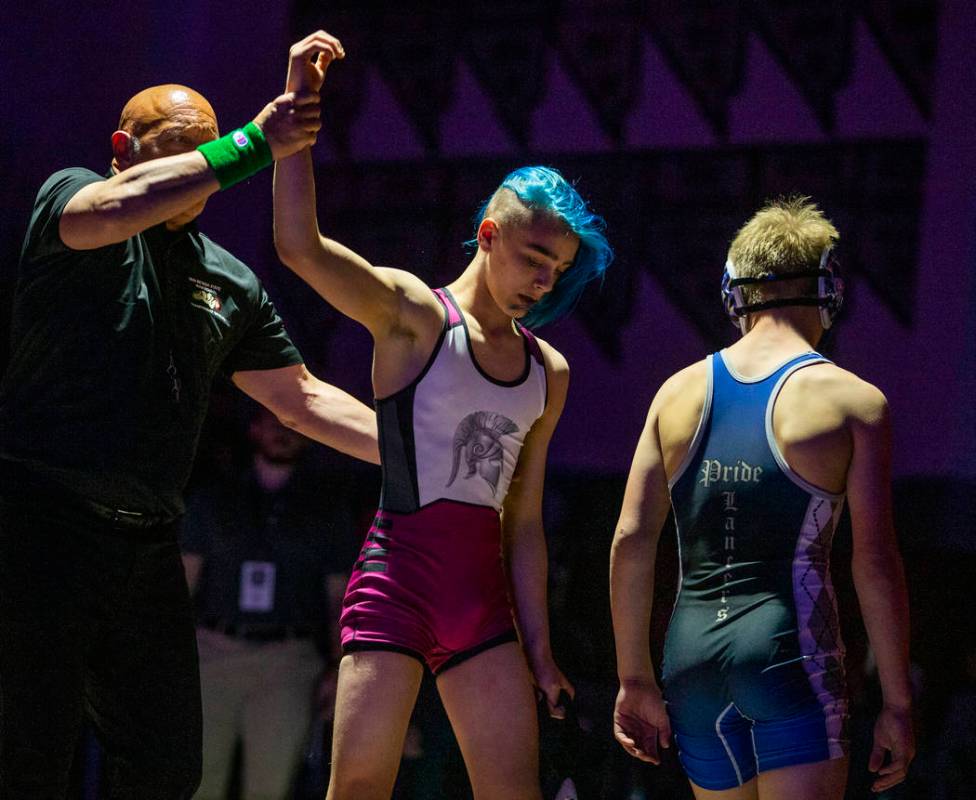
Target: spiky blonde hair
x: 786, y: 235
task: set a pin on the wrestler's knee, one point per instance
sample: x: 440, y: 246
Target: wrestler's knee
x: 510, y: 787
x: 359, y: 785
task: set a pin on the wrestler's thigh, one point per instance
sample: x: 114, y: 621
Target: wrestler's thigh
x: 490, y: 701
x: 823, y: 780
x: 748, y: 791
x: 375, y: 695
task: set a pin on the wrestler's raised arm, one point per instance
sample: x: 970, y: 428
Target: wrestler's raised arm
x: 384, y: 300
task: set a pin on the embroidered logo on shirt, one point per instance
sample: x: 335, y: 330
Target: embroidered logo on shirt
x: 206, y: 296
x: 478, y: 441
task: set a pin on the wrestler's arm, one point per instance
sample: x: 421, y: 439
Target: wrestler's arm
x: 879, y: 578
x: 317, y: 409
x: 640, y: 721
x: 384, y: 300
x: 153, y: 191
x: 524, y: 541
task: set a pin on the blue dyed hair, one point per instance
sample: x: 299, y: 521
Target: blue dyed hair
x: 543, y: 189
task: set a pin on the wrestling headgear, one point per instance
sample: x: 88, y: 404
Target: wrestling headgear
x: 830, y: 291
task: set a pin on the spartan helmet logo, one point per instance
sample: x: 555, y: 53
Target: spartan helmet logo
x: 478, y: 440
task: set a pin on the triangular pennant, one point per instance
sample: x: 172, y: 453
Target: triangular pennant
x: 908, y: 34
x: 770, y: 106
x: 599, y: 44
x: 415, y: 53
x: 509, y: 60
x: 469, y: 125
x: 814, y: 43
x: 383, y: 130
x: 664, y: 114
x: 875, y: 102
x: 703, y: 43
x: 564, y: 121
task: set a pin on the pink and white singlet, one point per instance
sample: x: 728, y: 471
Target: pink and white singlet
x: 429, y: 581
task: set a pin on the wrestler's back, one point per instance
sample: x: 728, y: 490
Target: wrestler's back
x: 755, y: 604
x: 811, y: 415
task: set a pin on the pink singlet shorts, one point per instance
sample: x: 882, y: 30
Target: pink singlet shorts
x: 431, y: 585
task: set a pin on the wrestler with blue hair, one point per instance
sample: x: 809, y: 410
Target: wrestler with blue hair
x: 452, y: 575
x: 545, y: 192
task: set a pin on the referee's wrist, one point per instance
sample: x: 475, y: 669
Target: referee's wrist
x: 237, y: 155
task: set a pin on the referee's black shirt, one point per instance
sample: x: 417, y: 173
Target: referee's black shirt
x: 114, y: 351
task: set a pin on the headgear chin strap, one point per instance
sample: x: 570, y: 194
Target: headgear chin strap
x: 830, y: 291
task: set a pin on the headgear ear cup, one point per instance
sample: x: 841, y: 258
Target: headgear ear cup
x: 829, y: 298
x: 830, y: 288
x: 831, y: 292
x: 732, y: 298
x: 823, y: 287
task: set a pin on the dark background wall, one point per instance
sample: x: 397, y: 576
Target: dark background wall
x: 678, y: 120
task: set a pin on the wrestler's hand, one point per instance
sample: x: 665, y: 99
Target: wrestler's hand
x: 892, y: 733
x: 550, y: 680
x: 309, y: 59
x: 640, y: 720
x: 290, y: 122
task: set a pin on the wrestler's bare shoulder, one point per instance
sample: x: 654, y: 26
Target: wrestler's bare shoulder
x: 416, y: 304
x: 557, y: 379
x: 556, y: 363
x: 850, y: 397
x: 675, y: 414
x: 686, y: 388
x: 677, y: 410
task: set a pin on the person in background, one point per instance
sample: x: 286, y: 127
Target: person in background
x: 267, y: 554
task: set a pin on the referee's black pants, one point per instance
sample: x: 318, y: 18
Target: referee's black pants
x: 95, y: 620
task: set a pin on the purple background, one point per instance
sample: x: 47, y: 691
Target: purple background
x: 720, y: 101
x: 67, y: 72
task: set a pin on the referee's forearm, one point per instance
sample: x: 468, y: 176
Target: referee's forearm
x: 338, y: 420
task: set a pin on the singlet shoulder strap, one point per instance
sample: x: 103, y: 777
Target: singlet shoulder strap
x: 726, y: 373
x: 813, y: 357
x: 454, y: 317
x: 533, y: 344
x: 703, y: 421
x: 806, y: 360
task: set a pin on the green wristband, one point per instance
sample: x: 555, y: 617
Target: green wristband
x: 238, y: 155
